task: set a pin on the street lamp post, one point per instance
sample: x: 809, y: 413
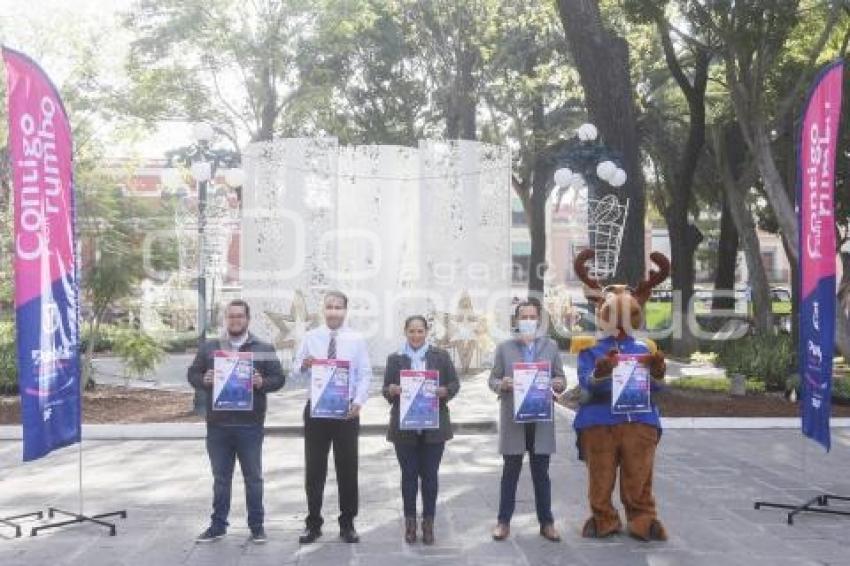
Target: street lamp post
x: 203, y: 163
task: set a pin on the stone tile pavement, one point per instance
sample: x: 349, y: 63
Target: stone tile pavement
x: 706, y: 483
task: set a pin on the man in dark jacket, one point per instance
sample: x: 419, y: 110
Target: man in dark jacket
x: 235, y: 434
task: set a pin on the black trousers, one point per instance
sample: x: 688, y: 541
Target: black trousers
x: 319, y: 436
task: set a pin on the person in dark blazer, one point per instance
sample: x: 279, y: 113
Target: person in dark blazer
x: 419, y: 452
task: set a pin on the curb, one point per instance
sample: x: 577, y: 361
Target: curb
x: 192, y: 431
x: 730, y: 423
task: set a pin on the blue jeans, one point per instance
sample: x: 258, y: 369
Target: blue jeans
x: 420, y: 460
x: 224, y: 445
x: 539, y: 464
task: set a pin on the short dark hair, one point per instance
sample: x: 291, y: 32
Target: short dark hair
x: 411, y: 318
x: 530, y: 302
x: 240, y: 303
x: 338, y: 295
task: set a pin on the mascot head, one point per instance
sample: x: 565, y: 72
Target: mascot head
x: 619, y: 308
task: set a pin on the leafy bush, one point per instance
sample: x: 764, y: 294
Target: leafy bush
x: 139, y: 352
x: 179, y: 342
x: 658, y: 315
x: 719, y: 385
x: 768, y: 358
x: 704, y: 358
x: 841, y: 390
x: 8, y: 359
x: 106, y: 336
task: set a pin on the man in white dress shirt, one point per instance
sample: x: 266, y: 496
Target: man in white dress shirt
x: 334, y: 340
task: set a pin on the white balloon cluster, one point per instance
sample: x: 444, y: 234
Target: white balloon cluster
x: 566, y: 178
x: 202, y: 132
x: 234, y: 177
x: 201, y: 171
x: 611, y: 174
x: 606, y: 170
x: 572, y: 186
x: 587, y: 132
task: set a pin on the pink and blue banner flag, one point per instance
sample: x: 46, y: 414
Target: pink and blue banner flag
x: 816, y: 208
x: 45, y: 259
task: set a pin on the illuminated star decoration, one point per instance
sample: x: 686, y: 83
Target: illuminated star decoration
x: 293, y: 326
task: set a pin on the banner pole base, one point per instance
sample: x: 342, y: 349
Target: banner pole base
x: 77, y: 518
x: 821, y: 501
x: 10, y: 521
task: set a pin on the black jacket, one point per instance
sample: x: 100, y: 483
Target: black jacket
x: 266, y: 363
x: 435, y: 358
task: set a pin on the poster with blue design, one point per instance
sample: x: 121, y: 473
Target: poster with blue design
x: 233, y: 389
x: 419, y: 407
x: 330, y: 389
x: 630, y: 386
x: 532, y: 392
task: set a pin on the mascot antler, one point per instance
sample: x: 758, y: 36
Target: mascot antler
x: 591, y: 284
x: 656, y: 277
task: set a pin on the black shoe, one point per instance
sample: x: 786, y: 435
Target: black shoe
x: 212, y: 534
x: 258, y: 535
x: 310, y: 535
x: 349, y: 534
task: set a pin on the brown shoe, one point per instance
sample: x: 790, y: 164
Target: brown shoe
x: 410, y: 530
x: 428, y: 530
x: 501, y: 531
x: 549, y: 533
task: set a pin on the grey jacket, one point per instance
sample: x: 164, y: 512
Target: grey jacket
x: 512, y: 434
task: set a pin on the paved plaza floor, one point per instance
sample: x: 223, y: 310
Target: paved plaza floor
x: 706, y: 483
x: 708, y: 474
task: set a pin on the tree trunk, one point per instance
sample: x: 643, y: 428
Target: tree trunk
x: 727, y: 258
x: 460, y: 115
x: 777, y: 192
x: 729, y: 152
x: 684, y: 239
x: 5, y: 177
x: 467, y: 96
x: 602, y: 60
x: 268, y: 111
x: 795, y: 299
x: 521, y: 189
x: 684, y: 236
x: 541, y: 175
x: 87, y: 369
x: 746, y: 77
x: 754, y: 131
x: 758, y: 283
x: 842, y: 320
x: 539, y: 195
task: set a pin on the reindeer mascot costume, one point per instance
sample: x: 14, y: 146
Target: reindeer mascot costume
x: 609, y: 441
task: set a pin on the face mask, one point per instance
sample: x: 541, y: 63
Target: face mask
x: 527, y: 327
